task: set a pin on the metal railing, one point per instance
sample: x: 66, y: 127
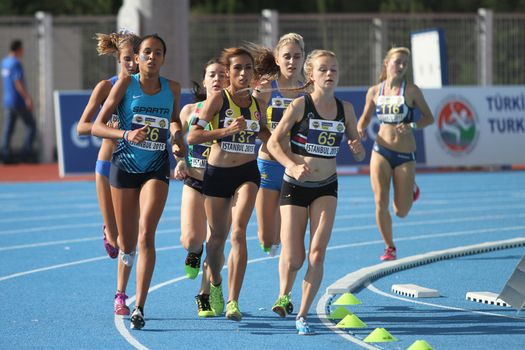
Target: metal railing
x: 359, y: 40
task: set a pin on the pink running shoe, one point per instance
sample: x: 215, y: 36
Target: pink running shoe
x: 120, y: 304
x: 112, y: 251
x: 390, y: 254
x: 415, y: 192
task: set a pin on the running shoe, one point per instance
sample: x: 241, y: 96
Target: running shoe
x: 216, y: 299
x: 265, y: 249
x: 110, y: 250
x: 120, y: 304
x: 416, y: 192
x: 203, y: 305
x: 302, y: 327
x: 137, y: 318
x: 274, y: 250
x: 192, y: 264
x: 232, y: 311
x: 390, y: 254
x: 283, y: 305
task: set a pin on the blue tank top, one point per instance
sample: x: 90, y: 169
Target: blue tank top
x: 136, y: 110
x: 393, y: 109
x: 276, y: 106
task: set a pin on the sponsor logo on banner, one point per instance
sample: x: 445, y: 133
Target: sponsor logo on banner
x: 457, y: 124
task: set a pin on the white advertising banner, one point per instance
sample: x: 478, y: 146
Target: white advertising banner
x: 476, y: 126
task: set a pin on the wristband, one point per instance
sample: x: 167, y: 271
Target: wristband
x: 200, y: 122
x: 413, y: 125
x: 125, y: 136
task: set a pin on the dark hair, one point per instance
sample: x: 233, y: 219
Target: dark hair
x: 230, y: 52
x: 264, y: 60
x: 199, y: 92
x: 151, y: 36
x: 16, y: 45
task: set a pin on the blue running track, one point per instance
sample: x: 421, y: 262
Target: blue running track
x: 57, y: 284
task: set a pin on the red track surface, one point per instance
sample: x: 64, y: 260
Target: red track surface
x: 35, y: 172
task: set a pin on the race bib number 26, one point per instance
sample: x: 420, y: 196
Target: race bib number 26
x: 157, y: 132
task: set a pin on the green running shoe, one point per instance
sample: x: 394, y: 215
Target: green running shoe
x: 203, y: 305
x: 232, y: 311
x: 216, y: 299
x: 283, y: 305
x: 264, y: 249
x: 192, y: 264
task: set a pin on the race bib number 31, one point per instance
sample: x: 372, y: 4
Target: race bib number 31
x: 276, y: 111
x: 157, y: 132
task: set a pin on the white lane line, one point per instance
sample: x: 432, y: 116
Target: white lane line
x: 26, y: 218
x: 433, y: 222
x: 85, y: 261
x: 52, y: 267
x: 342, y: 246
x: 47, y: 244
x: 252, y: 223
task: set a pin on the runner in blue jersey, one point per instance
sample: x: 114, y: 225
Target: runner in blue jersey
x: 393, y: 159
x: 146, y: 104
x: 277, y: 91
x: 120, y: 45
x: 191, y: 169
x: 313, y: 127
x: 231, y: 177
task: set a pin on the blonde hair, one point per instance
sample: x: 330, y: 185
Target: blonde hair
x: 289, y: 38
x: 264, y: 57
x: 389, y: 54
x: 111, y: 44
x: 309, y: 65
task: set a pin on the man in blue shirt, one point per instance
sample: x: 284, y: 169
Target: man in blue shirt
x: 17, y: 103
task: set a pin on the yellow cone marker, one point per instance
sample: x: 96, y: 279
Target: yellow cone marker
x: 351, y: 321
x: 339, y: 313
x: 347, y: 299
x: 380, y: 335
x: 420, y: 345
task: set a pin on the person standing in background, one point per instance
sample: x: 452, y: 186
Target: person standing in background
x: 17, y: 104
x: 393, y: 159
